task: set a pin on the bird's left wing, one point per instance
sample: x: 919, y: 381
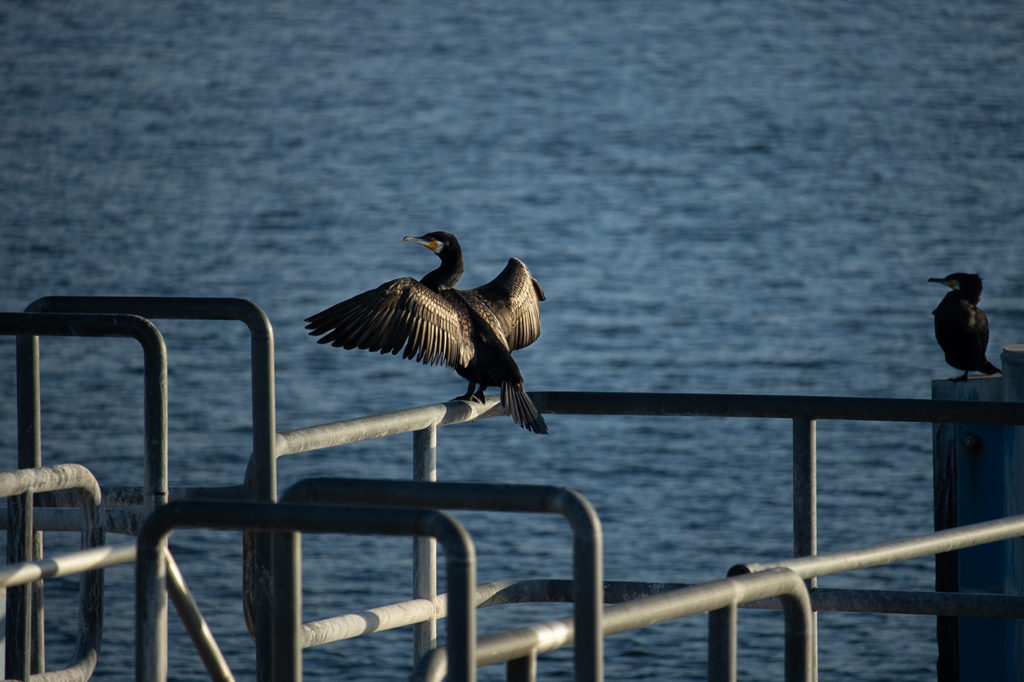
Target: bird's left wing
x: 512, y: 299
x: 400, y: 313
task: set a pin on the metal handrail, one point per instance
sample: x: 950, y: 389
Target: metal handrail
x: 27, y: 544
x: 397, y: 422
x: 261, y: 481
x: 660, y: 608
x: 75, y: 477
x: 285, y: 520
x: 544, y: 637
x: 586, y: 527
x: 779, y: 407
x: 204, y: 308
x: 939, y: 542
x: 804, y: 411
x: 261, y: 474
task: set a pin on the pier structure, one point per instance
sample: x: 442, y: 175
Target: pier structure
x: 972, y: 413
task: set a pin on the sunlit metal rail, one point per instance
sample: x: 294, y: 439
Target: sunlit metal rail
x: 721, y: 597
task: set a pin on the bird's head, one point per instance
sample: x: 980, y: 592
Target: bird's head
x: 436, y: 242
x: 969, y: 284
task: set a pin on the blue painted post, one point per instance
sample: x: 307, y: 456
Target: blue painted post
x: 977, y: 474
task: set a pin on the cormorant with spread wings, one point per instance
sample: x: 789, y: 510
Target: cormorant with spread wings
x: 473, y: 331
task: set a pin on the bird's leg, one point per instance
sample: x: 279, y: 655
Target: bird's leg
x: 961, y: 378
x: 468, y: 395
x: 479, y: 395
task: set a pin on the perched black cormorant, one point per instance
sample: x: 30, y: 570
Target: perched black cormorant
x: 961, y: 327
x: 474, y: 331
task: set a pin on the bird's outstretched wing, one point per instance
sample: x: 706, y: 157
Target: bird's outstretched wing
x: 399, y: 314
x: 510, y: 303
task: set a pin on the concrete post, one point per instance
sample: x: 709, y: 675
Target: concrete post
x: 978, y: 472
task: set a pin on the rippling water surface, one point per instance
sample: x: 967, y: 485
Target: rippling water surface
x: 717, y: 197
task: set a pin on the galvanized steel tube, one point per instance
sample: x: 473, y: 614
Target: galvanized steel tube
x: 199, y: 632
x: 67, y: 564
x: 64, y: 477
x: 660, y: 608
x: 151, y: 568
x: 154, y: 374
x: 424, y: 550
x: 28, y: 545
x: 585, y: 524
x: 805, y: 505
x: 386, y: 424
x: 658, y: 404
x: 261, y: 472
x: 778, y: 406
x: 897, y: 550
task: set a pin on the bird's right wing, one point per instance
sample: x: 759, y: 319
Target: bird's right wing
x: 510, y: 300
x: 400, y: 313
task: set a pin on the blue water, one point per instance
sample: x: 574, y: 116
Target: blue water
x: 717, y: 197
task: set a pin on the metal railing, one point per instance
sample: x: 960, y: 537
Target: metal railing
x: 24, y: 483
x: 587, y: 564
x: 803, y: 411
x: 116, y: 316
x: 786, y: 579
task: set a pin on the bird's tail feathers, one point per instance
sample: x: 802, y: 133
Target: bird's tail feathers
x: 989, y: 368
x: 521, y: 408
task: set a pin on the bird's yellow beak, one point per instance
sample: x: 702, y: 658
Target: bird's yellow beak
x: 942, y: 280
x: 429, y: 243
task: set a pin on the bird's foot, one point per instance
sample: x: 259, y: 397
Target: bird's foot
x: 469, y: 396
x: 962, y: 377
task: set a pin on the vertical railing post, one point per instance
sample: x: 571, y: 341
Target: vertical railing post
x: 154, y: 376
x: 286, y: 636
x: 25, y: 652
x: 805, y: 507
x: 522, y: 669
x: 722, y: 644
x: 424, y: 557
x: 151, y: 611
x: 264, y: 469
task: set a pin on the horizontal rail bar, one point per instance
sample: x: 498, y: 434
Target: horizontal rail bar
x: 124, y: 513
x: 402, y: 614
x: 919, y: 603
x: 654, y: 404
x: 67, y: 564
x: 541, y: 590
x: 897, y: 550
x: 122, y: 520
x: 114, y: 555
x: 379, y: 619
x: 652, y: 610
x: 385, y: 424
x: 779, y: 406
